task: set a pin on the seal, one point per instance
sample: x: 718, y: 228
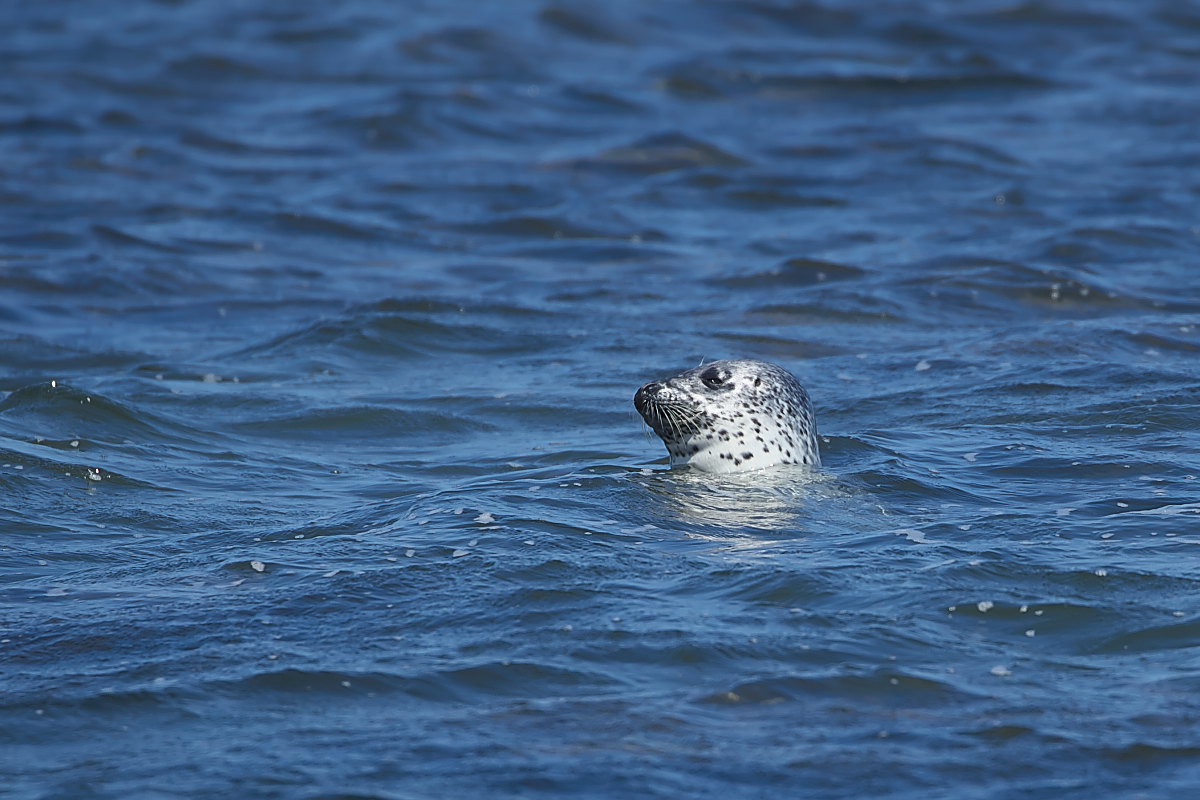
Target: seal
x: 731, y: 416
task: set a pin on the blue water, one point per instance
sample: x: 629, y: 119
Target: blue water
x: 319, y: 329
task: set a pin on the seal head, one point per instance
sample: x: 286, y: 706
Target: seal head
x: 730, y: 416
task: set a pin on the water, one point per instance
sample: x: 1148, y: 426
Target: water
x: 319, y: 330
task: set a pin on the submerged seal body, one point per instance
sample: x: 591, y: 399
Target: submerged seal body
x: 729, y: 416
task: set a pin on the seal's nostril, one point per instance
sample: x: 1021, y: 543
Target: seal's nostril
x: 646, y: 392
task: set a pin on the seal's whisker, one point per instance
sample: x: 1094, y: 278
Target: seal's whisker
x: 668, y: 416
x: 646, y: 429
x: 673, y: 416
x: 685, y: 421
x: 677, y: 423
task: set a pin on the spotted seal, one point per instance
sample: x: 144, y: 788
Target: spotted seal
x: 729, y: 416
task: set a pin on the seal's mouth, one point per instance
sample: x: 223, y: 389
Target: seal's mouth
x: 670, y: 419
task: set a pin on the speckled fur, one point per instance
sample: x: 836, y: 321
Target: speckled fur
x: 730, y: 416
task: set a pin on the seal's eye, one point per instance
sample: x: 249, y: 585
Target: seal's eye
x: 714, y: 378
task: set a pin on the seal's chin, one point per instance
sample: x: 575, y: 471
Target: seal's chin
x: 719, y: 461
x: 707, y: 460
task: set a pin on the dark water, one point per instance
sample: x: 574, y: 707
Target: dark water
x: 319, y: 327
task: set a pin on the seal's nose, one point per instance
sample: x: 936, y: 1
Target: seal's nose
x: 646, y: 394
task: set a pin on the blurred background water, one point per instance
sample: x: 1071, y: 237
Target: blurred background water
x: 319, y: 327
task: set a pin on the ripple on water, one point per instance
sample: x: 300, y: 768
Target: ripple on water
x: 884, y: 689
x: 57, y: 411
x: 395, y: 331
x: 463, y: 685
x: 662, y: 153
x: 793, y: 273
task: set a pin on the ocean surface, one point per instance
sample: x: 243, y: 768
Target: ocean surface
x: 320, y: 324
